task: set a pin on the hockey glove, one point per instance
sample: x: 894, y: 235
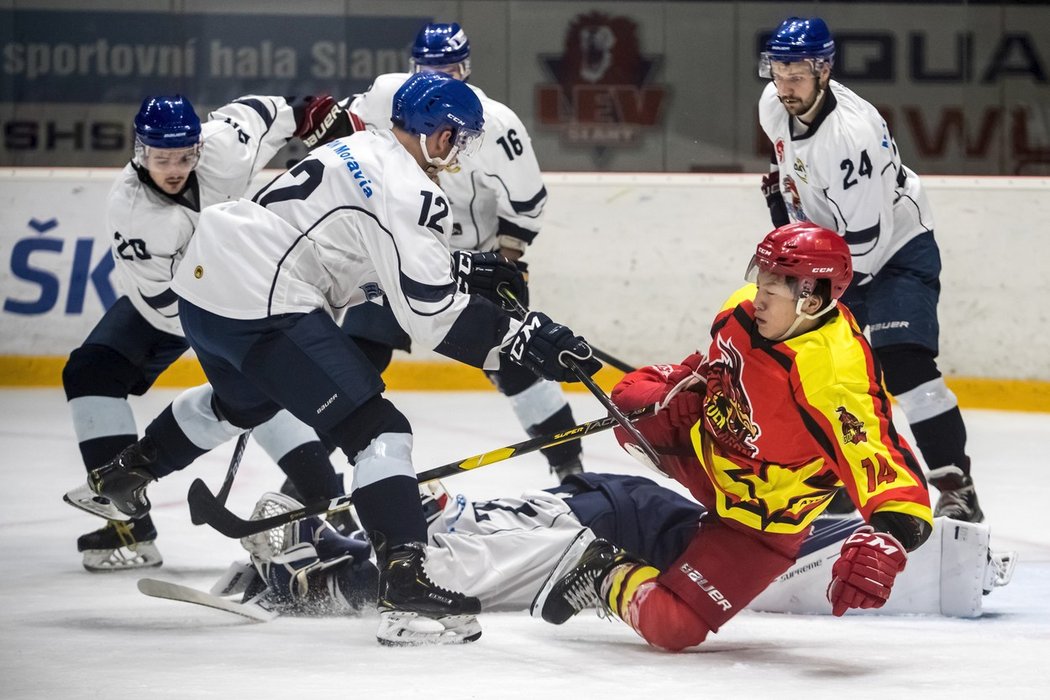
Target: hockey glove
x: 864, y: 574
x: 541, y: 345
x: 682, y: 411
x: 774, y: 199
x: 485, y: 273
x: 320, y: 120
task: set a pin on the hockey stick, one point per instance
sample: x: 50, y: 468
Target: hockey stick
x: 612, y: 361
x: 206, y: 508
x: 616, y: 413
x: 641, y: 443
x: 231, y: 471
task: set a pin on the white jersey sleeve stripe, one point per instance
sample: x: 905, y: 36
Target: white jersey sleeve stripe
x: 257, y: 105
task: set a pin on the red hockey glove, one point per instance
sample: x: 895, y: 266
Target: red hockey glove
x: 320, y: 120
x: 686, y: 368
x: 864, y: 574
x: 682, y: 412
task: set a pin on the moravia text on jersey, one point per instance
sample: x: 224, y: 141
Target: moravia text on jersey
x: 328, y: 235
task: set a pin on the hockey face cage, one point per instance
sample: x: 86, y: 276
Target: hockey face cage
x: 767, y: 59
x: 167, y: 159
x: 442, y: 47
x: 798, y: 39
x: 800, y: 288
x: 465, y: 143
x: 267, y: 544
x: 459, y: 70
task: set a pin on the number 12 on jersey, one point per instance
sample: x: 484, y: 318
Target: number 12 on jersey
x: 440, y: 208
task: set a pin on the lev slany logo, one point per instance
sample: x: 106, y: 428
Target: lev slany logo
x: 603, y: 92
x: 49, y: 272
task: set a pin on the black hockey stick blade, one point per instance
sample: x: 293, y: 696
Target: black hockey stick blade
x: 206, y: 508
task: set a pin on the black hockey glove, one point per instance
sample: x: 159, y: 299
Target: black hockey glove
x: 774, y: 199
x: 321, y: 119
x: 485, y: 273
x: 541, y: 346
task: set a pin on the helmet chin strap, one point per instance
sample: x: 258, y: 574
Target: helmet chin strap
x: 437, y: 164
x: 811, y: 113
x: 801, y: 316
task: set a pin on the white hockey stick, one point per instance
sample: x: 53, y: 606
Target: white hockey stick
x: 256, y: 609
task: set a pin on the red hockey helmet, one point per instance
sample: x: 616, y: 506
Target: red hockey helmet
x: 806, y: 252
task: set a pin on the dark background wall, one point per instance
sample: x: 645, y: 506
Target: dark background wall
x: 618, y: 86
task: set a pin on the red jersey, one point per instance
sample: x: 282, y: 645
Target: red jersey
x: 786, y: 423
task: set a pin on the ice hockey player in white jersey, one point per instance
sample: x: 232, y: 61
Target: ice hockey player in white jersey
x: 502, y: 550
x: 263, y: 281
x: 497, y: 199
x: 835, y: 163
x: 180, y: 166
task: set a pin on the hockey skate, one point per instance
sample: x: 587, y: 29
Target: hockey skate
x: 414, y: 611
x: 121, y: 546
x: 117, y: 489
x: 958, y: 499
x: 566, y: 469
x: 576, y: 582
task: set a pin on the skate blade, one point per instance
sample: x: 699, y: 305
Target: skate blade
x: 402, y: 629
x: 85, y: 499
x: 142, y: 555
x: 569, y: 558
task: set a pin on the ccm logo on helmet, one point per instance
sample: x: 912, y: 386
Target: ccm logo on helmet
x: 823, y: 269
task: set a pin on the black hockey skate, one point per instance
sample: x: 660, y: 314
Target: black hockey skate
x: 120, y: 545
x: 958, y: 499
x: 413, y: 610
x: 117, y: 489
x: 566, y: 469
x: 575, y: 583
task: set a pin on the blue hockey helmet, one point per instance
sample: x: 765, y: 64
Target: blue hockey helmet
x: 431, y: 101
x: 442, y: 46
x: 798, y: 39
x: 167, y: 122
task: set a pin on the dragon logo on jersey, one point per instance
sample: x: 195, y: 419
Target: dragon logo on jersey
x: 852, y: 427
x: 728, y: 407
x: 602, y: 92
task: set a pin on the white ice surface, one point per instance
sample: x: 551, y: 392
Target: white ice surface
x: 66, y: 633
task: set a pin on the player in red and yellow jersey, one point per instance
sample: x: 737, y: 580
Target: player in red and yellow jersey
x: 785, y: 407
